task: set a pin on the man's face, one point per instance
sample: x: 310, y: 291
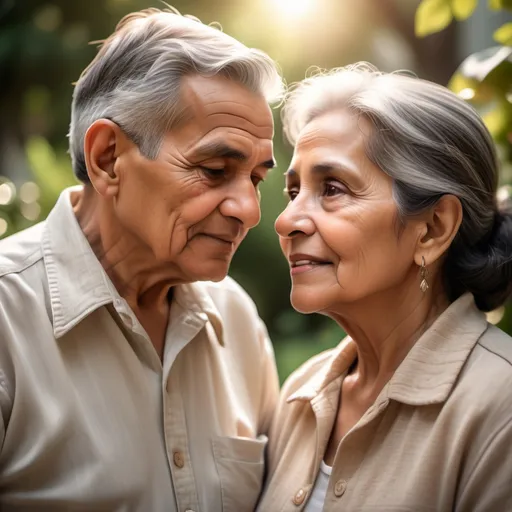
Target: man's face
x: 193, y: 205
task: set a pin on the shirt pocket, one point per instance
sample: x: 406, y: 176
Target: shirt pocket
x: 240, y: 464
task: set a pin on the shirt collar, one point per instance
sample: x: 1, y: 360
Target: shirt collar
x: 429, y: 372
x: 195, y: 299
x: 79, y: 285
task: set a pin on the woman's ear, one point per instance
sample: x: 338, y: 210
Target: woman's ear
x: 440, y: 227
x: 103, y: 143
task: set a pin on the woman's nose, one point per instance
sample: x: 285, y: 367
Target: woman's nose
x: 294, y: 221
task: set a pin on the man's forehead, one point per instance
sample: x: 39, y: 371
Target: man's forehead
x: 206, y: 99
x: 211, y: 88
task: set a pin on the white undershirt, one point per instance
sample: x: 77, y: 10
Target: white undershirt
x: 317, y: 498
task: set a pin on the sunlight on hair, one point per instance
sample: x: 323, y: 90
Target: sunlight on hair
x: 294, y: 9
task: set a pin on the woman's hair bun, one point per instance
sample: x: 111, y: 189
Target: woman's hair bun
x: 486, y: 269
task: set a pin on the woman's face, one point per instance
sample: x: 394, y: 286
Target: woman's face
x: 340, y: 231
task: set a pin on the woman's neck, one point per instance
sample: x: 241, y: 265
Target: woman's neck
x: 385, y: 329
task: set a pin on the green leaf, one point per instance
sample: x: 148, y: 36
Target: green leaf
x: 471, y: 90
x: 432, y: 16
x: 496, y: 5
x: 479, y: 66
x: 498, y: 120
x: 463, y: 9
x: 50, y: 173
x: 504, y: 34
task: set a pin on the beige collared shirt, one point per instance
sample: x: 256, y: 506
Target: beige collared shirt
x: 91, y: 419
x: 438, y: 438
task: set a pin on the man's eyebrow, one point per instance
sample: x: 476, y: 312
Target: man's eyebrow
x: 223, y: 150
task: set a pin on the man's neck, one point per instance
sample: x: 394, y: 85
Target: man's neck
x: 140, y: 279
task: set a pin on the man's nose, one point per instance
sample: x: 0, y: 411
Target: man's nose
x: 243, y: 204
x: 294, y: 220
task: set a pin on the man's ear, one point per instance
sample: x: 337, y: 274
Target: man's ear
x: 439, y: 228
x: 103, y: 143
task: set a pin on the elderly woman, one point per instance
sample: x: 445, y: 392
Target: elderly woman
x: 393, y: 230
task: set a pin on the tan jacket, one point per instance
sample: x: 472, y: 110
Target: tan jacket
x: 90, y: 418
x: 438, y: 438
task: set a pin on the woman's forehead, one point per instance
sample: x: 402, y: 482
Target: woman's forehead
x: 335, y: 127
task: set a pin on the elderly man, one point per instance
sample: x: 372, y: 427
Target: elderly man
x: 134, y: 376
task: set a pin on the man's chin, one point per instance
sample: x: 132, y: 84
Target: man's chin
x: 214, y: 273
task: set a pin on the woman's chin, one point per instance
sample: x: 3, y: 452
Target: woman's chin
x: 305, y: 303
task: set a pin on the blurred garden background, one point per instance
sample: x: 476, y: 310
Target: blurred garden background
x: 465, y: 44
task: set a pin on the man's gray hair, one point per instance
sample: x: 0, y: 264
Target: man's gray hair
x: 135, y: 78
x: 431, y: 143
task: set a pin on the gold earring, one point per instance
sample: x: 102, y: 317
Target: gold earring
x: 423, y: 275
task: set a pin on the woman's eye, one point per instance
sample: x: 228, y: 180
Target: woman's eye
x: 331, y: 189
x: 291, y: 193
x: 256, y: 180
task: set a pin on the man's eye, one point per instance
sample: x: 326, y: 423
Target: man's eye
x: 213, y: 173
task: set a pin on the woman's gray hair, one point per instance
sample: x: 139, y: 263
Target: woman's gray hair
x: 135, y: 78
x: 431, y: 143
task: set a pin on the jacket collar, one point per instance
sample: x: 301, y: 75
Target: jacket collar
x: 428, y: 373
x: 78, y: 284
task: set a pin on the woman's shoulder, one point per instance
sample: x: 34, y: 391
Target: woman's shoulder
x: 314, y: 367
x: 486, y: 379
x: 498, y: 346
x: 320, y: 369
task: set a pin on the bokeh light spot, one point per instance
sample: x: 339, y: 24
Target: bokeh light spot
x: 293, y: 9
x: 3, y: 226
x: 29, y: 192
x: 6, y: 193
x: 30, y: 211
x: 467, y: 93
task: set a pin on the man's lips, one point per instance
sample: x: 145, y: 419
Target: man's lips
x: 225, y: 238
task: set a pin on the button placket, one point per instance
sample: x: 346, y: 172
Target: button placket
x: 178, y: 459
x: 352, y: 450
x: 175, y: 431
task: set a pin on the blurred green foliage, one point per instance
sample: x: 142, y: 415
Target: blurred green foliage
x: 43, y: 48
x: 485, y: 80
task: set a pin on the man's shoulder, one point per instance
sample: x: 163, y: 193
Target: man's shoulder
x: 23, y: 280
x: 21, y: 250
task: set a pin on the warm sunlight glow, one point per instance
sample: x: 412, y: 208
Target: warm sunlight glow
x: 293, y: 9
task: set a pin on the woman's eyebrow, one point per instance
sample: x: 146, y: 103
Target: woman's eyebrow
x: 324, y: 168
x: 333, y: 165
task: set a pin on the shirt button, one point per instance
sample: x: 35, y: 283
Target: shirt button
x: 299, y: 497
x: 179, y: 460
x: 189, y: 510
x: 340, y: 488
